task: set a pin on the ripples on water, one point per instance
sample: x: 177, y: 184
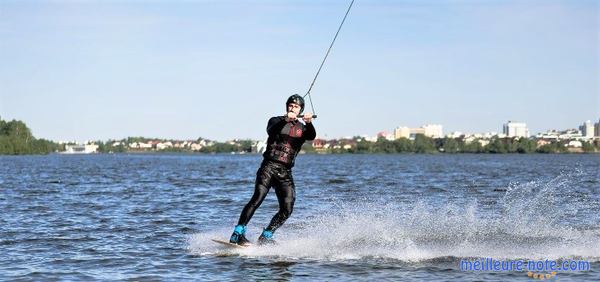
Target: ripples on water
x: 356, y: 217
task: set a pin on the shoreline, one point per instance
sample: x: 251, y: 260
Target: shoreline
x: 302, y: 153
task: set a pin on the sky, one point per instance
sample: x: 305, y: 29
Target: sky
x: 99, y: 70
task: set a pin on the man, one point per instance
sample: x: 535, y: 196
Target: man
x: 286, y: 136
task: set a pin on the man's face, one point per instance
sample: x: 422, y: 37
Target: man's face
x: 293, y: 107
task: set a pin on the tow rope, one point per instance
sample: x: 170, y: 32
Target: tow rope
x: 325, y: 58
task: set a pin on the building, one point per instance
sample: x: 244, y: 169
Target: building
x: 429, y: 130
x: 318, y: 143
x: 570, y: 134
x: 549, y: 135
x: 386, y: 135
x: 415, y: 131
x: 587, y: 129
x: 81, y: 149
x: 140, y: 145
x: 575, y: 144
x: 164, y: 145
x: 433, y: 130
x: 455, y: 134
x: 597, y: 129
x: 402, y: 132
x: 542, y: 142
x: 516, y: 129
x: 369, y: 138
x: 490, y: 135
x: 196, y: 147
x: 261, y: 146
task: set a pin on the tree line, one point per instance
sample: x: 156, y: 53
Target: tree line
x: 424, y: 144
x: 215, y: 147
x: 16, y: 139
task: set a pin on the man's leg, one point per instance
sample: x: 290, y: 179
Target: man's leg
x: 261, y: 188
x: 286, y: 196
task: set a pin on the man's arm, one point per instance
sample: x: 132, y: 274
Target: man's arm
x: 309, y: 131
x: 275, y: 125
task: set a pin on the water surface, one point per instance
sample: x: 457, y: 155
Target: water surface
x: 396, y: 217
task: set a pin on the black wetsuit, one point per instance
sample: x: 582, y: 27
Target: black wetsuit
x: 284, y: 143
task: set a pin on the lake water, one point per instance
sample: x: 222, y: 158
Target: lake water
x: 357, y: 217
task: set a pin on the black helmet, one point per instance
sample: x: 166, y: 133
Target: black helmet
x: 295, y: 99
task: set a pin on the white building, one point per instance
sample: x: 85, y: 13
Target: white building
x: 416, y: 131
x: 164, y: 145
x: 516, y: 129
x: 489, y: 135
x: 401, y: 132
x: 550, y: 135
x: 140, y: 145
x: 455, y: 134
x: 384, y: 134
x: 570, y: 134
x: 433, y: 130
x: 429, y: 130
x: 370, y: 138
x: 469, y: 138
x: 259, y: 147
x: 587, y: 129
x: 574, y: 144
x: 81, y: 149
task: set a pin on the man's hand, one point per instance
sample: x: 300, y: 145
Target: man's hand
x: 308, y: 117
x: 290, y: 116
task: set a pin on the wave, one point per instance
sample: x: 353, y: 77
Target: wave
x: 534, y: 220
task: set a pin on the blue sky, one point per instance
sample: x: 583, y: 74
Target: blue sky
x: 86, y: 70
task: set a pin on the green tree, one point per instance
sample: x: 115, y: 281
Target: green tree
x: 526, y: 146
x: 102, y: 147
x: 403, y: 145
x: 384, y: 146
x: 554, y: 147
x: 546, y: 149
x: 363, y: 146
x: 121, y: 148
x: 424, y: 144
x: 6, y: 147
x: 16, y: 139
x: 450, y: 145
x: 246, y: 145
x: 587, y: 147
x: 306, y: 147
x: 496, y: 146
x: 472, y: 147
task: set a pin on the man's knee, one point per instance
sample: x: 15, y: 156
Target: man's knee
x: 287, y: 209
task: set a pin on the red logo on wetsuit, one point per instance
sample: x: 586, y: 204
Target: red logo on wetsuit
x: 295, y: 132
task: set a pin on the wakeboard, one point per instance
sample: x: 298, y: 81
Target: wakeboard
x: 231, y: 245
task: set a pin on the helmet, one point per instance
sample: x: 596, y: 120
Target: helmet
x: 295, y: 99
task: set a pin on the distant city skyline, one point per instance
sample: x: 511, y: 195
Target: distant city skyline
x: 587, y: 129
x: 219, y: 69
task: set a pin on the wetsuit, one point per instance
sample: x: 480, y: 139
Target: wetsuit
x: 284, y: 143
